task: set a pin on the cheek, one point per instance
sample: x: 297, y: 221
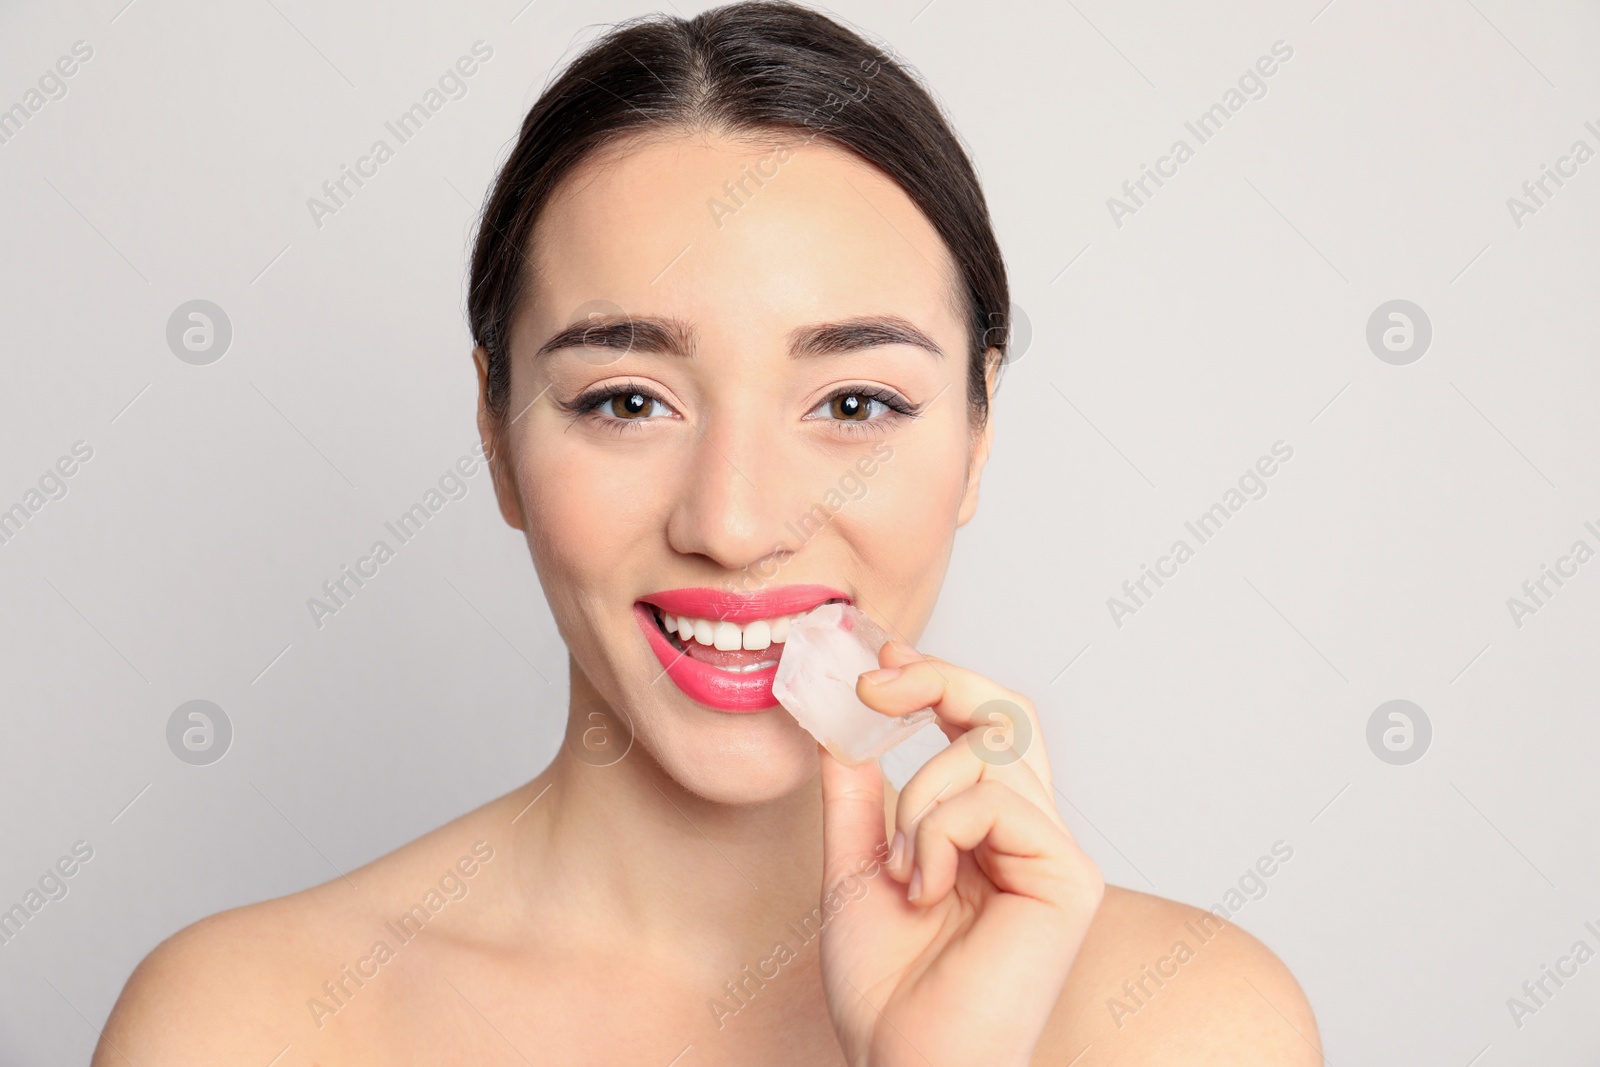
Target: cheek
x: 906, y: 518
x: 588, y: 511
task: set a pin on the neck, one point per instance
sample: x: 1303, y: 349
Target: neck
x: 615, y: 845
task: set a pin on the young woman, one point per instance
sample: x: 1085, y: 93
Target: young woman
x: 739, y: 314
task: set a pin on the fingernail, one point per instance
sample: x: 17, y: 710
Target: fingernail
x: 914, y: 890
x: 901, y: 647
x: 881, y: 675
x: 897, y: 848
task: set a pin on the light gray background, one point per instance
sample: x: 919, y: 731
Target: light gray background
x: 1167, y: 354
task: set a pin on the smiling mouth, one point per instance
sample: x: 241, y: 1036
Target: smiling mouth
x: 736, y: 648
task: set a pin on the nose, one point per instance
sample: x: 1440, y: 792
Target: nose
x: 731, y: 504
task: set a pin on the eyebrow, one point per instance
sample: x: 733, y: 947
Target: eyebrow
x: 673, y: 337
x: 831, y: 338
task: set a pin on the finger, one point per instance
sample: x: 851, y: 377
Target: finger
x: 965, y: 763
x: 1019, y: 848
x: 896, y: 653
x: 852, y: 817
x: 962, y: 699
x: 955, y: 693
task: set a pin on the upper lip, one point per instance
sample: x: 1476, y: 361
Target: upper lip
x: 702, y: 603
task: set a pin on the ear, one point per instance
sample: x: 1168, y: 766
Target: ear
x: 982, y: 442
x: 492, y: 434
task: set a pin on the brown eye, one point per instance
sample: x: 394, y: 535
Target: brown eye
x: 630, y: 405
x: 852, y: 407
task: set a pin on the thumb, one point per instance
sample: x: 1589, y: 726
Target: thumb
x: 853, y: 819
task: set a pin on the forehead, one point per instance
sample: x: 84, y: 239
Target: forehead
x: 730, y: 232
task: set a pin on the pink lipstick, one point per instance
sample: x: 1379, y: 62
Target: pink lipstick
x: 721, y: 649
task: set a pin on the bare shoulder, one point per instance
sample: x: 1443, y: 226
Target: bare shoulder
x: 1159, y: 982
x: 219, y: 989
x: 244, y: 984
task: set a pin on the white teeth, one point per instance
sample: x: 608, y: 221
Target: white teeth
x: 757, y: 635
x: 750, y: 667
x: 727, y: 636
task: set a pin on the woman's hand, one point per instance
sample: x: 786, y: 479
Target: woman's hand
x: 958, y: 956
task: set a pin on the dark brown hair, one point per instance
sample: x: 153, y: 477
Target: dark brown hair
x: 750, y: 69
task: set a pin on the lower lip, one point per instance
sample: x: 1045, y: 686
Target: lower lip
x: 717, y: 689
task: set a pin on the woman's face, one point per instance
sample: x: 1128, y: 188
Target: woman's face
x: 764, y: 407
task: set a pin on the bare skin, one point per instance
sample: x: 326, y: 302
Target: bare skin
x: 632, y: 912
x: 495, y: 974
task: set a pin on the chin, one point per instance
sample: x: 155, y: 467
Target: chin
x: 743, y: 759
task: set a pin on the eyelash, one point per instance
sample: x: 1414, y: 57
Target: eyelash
x: 899, y: 408
x: 588, y: 403
x: 585, y: 405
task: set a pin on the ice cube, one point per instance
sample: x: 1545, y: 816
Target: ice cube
x: 827, y: 650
